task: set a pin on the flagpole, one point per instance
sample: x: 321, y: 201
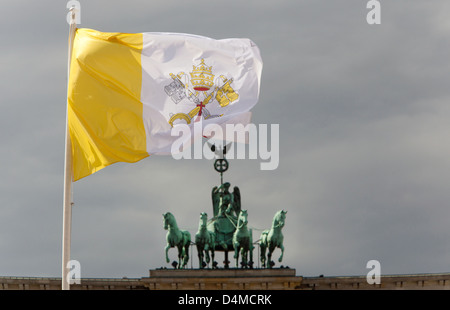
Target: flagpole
x: 68, y: 177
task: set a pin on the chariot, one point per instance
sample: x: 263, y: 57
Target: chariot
x: 226, y: 231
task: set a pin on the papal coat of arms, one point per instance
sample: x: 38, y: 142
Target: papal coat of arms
x: 200, y: 94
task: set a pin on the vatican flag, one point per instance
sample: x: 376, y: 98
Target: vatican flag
x: 127, y: 91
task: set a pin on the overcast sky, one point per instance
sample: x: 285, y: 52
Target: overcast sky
x: 363, y: 112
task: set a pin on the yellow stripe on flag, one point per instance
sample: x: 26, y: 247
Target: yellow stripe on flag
x: 104, y: 106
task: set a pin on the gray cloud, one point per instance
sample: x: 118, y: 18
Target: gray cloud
x: 363, y: 116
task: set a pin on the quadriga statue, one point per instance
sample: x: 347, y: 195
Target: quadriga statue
x: 205, y: 242
x: 272, y: 238
x: 175, y: 237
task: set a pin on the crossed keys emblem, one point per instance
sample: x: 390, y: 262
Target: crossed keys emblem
x: 198, y: 84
